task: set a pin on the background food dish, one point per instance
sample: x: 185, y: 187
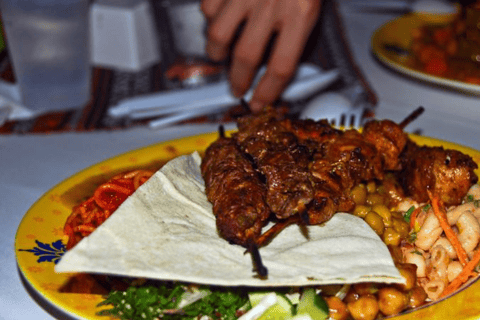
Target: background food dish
x: 397, y: 33
x: 39, y: 237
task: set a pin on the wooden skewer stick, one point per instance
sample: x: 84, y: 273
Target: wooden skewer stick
x: 245, y: 104
x: 268, y: 235
x: 221, y: 131
x: 412, y: 117
x: 259, y: 267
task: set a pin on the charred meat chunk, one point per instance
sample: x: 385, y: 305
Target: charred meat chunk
x: 447, y: 174
x: 236, y: 192
x: 279, y: 157
x: 389, y: 140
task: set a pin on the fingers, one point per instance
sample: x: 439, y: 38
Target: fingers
x: 250, y: 48
x: 223, y: 27
x: 293, y: 20
x: 284, y: 59
x: 210, y: 8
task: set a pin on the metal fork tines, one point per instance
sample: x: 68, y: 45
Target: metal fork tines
x: 336, y: 108
x: 352, y: 119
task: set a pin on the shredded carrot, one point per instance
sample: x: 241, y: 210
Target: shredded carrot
x: 468, y: 266
x: 413, y: 217
x: 451, y: 236
x: 464, y: 275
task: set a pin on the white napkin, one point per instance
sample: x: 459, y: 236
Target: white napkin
x: 166, y: 230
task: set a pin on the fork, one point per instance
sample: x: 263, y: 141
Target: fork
x: 336, y: 109
x: 297, y: 90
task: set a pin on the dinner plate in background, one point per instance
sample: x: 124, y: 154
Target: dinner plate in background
x: 398, y: 34
x: 40, y: 241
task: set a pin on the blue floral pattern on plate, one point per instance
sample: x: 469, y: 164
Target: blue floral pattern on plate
x: 48, y: 252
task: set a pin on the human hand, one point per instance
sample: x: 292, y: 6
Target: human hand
x: 292, y: 20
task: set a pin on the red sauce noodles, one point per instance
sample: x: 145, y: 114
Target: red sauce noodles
x: 91, y: 213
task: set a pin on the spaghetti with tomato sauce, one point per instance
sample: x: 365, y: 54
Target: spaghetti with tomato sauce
x: 91, y: 213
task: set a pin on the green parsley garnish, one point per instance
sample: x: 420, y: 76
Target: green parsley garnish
x: 220, y: 304
x: 426, y: 207
x: 142, y: 302
x: 477, y: 268
x: 161, y: 302
x: 412, y: 237
x: 469, y: 198
x: 408, y: 214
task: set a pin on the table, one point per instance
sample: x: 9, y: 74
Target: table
x: 33, y: 163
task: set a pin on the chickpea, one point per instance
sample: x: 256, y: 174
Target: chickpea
x: 381, y: 190
x: 383, y: 212
x: 330, y: 289
x: 371, y: 187
x: 397, y: 215
x: 391, y: 301
x: 375, y: 222
x: 359, y: 194
x: 401, y: 226
x: 374, y: 198
x: 365, y: 308
x: 391, y: 237
x: 361, y: 211
x: 409, y: 272
x: 337, y: 309
x: 351, y: 296
x: 417, y: 297
x: 396, y: 253
x: 365, y: 288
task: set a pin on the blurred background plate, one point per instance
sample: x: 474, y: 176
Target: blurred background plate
x: 398, y: 33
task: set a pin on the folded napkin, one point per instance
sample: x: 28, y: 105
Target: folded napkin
x: 166, y: 230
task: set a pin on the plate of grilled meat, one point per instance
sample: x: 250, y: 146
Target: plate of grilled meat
x: 417, y: 195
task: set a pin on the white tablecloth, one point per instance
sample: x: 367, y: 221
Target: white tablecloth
x: 32, y: 164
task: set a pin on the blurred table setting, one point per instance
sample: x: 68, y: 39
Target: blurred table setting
x: 155, y: 66
x: 149, y: 82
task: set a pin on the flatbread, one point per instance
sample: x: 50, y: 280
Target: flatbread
x: 166, y: 230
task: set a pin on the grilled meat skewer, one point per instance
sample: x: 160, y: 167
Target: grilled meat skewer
x: 236, y: 192
x: 302, y: 172
x: 238, y: 196
x: 279, y: 157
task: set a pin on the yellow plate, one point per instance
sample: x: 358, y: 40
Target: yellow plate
x: 40, y: 240
x: 398, y: 32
